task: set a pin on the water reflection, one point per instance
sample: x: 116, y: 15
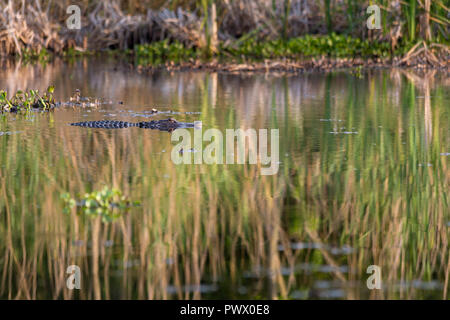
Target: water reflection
x: 363, y: 180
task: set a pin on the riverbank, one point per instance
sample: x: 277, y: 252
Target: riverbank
x: 231, y: 37
x: 296, y: 55
x: 418, y: 58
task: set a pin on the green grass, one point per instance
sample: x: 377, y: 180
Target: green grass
x: 160, y: 52
x: 332, y: 45
x: 409, y: 9
x: 251, y: 49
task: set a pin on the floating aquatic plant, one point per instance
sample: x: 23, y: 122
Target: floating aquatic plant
x: 25, y: 101
x: 109, y: 204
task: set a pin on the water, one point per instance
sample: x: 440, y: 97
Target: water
x: 363, y: 180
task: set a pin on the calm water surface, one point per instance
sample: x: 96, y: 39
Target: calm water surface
x: 363, y: 180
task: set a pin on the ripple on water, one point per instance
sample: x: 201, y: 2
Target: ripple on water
x: 202, y: 288
x: 344, y: 132
x: 8, y: 133
x: 308, y: 268
x: 344, y: 250
x: 300, y: 294
x: 331, y: 294
x: 331, y: 120
x: 425, y: 165
x: 419, y: 284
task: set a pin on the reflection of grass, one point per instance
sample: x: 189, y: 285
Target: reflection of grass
x: 380, y: 192
x: 205, y: 223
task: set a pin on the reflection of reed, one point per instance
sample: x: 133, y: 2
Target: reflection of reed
x: 210, y: 224
x: 424, y: 83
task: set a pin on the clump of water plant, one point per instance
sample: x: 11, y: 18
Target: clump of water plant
x: 107, y: 203
x: 27, y: 100
x: 254, y: 49
x: 333, y: 45
x: 161, y: 51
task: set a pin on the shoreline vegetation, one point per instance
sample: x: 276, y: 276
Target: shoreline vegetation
x: 233, y: 36
x: 279, y: 56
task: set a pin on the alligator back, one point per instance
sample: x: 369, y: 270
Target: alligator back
x: 163, y: 125
x: 105, y: 124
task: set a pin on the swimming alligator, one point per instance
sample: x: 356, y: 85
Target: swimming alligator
x: 163, y: 125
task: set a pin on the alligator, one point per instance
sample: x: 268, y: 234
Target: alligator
x: 162, y: 125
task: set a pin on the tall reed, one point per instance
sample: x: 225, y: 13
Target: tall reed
x: 328, y: 20
x: 32, y: 27
x: 409, y: 9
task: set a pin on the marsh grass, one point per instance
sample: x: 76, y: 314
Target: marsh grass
x: 372, y: 191
x: 29, y: 29
x: 251, y: 49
